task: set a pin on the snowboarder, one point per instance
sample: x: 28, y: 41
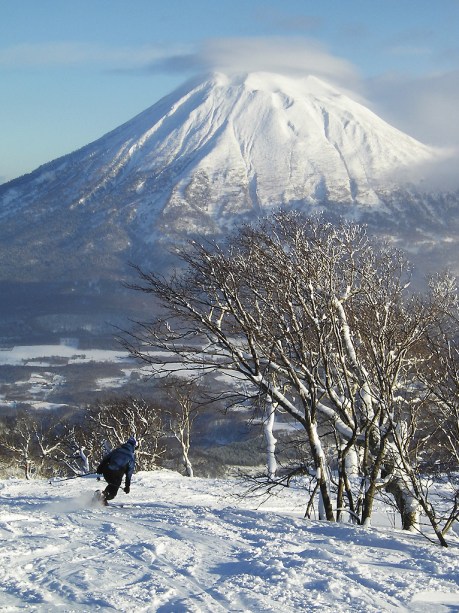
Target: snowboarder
x: 116, y: 464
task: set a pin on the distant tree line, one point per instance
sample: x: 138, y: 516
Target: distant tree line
x: 36, y: 444
x: 320, y: 324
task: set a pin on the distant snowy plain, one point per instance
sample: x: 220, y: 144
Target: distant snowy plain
x: 193, y: 545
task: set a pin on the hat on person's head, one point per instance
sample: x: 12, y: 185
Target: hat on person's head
x: 131, y: 440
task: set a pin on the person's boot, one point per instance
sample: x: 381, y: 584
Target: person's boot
x: 99, y: 497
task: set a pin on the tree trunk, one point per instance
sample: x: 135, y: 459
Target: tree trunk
x: 84, y: 460
x: 407, y: 504
x: 268, y: 426
x: 371, y: 477
x: 346, y: 466
x: 368, y: 500
x: 325, y: 503
x: 188, y: 466
x: 186, y: 460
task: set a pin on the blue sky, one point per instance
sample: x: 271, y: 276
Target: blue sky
x: 70, y: 71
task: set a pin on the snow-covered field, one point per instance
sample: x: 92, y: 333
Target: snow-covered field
x: 44, y: 379
x: 192, y: 545
x: 24, y: 354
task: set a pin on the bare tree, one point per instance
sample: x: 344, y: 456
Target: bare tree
x: 32, y: 442
x: 319, y: 320
x: 438, y: 431
x: 73, y: 451
x: 110, y: 423
x: 17, y: 441
x: 441, y: 372
x: 185, y: 402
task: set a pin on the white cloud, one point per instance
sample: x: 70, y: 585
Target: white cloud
x: 425, y: 107
x: 274, y: 54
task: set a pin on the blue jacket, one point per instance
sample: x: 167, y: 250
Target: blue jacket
x: 121, y: 460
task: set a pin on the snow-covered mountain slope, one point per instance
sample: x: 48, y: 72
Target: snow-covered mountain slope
x: 193, y: 545
x: 279, y: 138
x: 251, y: 142
x: 214, y: 151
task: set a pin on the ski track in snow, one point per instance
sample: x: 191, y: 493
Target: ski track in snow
x: 181, y: 545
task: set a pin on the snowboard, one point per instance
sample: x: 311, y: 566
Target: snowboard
x: 99, y: 500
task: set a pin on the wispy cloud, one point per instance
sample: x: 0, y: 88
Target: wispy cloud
x: 425, y: 106
x: 56, y: 54
x: 275, y: 54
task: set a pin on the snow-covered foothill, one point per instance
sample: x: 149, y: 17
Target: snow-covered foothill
x: 193, y: 545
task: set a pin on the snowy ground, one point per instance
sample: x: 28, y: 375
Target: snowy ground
x: 191, y: 545
x: 44, y: 355
x: 43, y: 375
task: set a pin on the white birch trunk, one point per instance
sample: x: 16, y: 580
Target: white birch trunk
x: 84, y: 460
x: 320, y: 472
x: 268, y: 427
x: 186, y: 462
x: 322, y: 513
x: 351, y: 463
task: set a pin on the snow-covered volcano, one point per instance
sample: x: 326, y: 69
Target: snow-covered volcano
x: 217, y: 151
x: 212, y: 150
x: 230, y: 145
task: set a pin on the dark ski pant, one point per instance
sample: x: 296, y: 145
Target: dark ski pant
x: 113, y: 479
